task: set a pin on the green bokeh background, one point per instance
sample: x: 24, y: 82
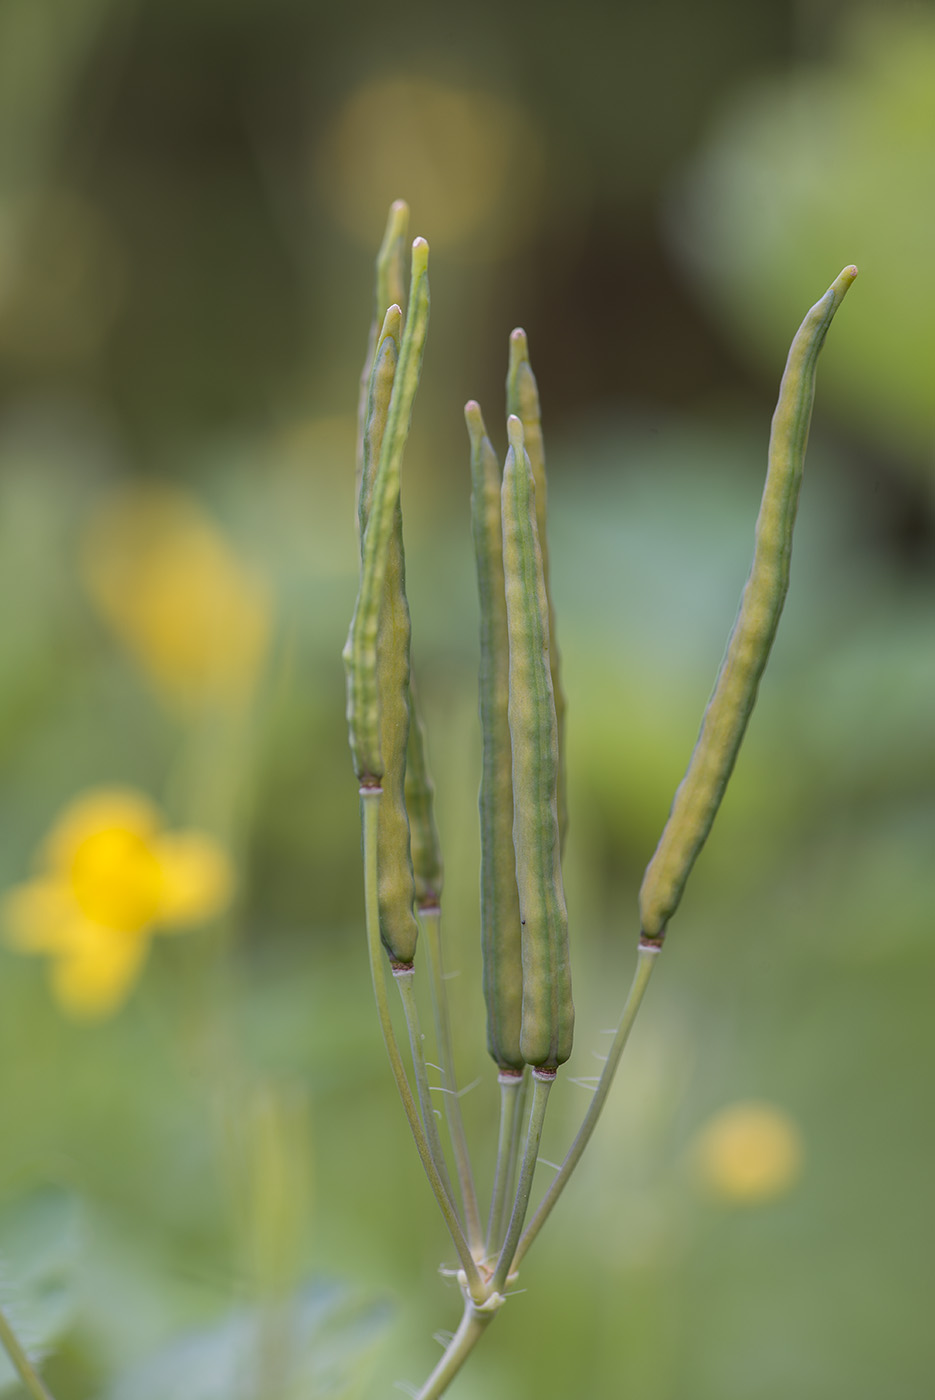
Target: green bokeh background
x: 185, y: 271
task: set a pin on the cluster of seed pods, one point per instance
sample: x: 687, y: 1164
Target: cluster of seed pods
x: 524, y: 921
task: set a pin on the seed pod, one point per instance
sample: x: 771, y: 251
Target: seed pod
x: 725, y: 719
x: 376, y: 409
x: 548, y: 1013
x: 420, y: 804
x: 388, y: 290
x: 395, y: 886
x: 360, y: 652
x: 499, y: 900
x: 522, y: 398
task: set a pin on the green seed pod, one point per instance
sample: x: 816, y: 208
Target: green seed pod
x: 420, y: 804
x: 395, y: 883
x: 501, y: 931
x: 379, y: 392
x: 395, y: 886
x: 522, y: 398
x: 360, y: 652
x: 725, y: 719
x: 388, y: 290
x: 548, y: 1013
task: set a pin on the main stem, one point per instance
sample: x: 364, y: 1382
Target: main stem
x: 370, y: 811
x: 431, y: 924
x: 470, y: 1330
x: 646, y: 960
x: 24, y: 1367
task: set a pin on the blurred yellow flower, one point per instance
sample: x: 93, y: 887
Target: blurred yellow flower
x: 749, y: 1152
x: 109, y: 877
x: 195, y: 617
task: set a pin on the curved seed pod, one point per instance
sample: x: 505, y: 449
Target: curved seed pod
x: 420, y: 804
x: 548, y: 1013
x: 499, y: 899
x: 388, y: 289
x: 725, y: 719
x: 360, y: 651
x: 522, y: 398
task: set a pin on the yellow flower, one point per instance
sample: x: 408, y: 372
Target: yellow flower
x: 109, y: 877
x: 195, y: 617
x: 749, y: 1152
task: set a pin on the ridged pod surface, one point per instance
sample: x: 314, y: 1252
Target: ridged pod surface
x: 385, y: 688
x: 360, y: 652
x: 548, y: 1013
x: 522, y: 399
x: 725, y: 720
x: 388, y: 290
x: 427, y: 866
x: 499, y: 899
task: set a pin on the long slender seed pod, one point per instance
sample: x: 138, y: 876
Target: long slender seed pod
x: 360, y: 652
x: 725, y: 719
x: 390, y: 284
x: 548, y: 1013
x: 501, y: 931
x: 420, y: 804
x: 398, y: 927
x: 522, y: 398
x: 379, y: 391
x: 388, y: 288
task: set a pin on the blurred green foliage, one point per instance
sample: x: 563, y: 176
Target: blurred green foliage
x: 835, y: 155
x: 181, y: 298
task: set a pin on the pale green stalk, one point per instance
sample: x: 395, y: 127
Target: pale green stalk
x: 646, y: 959
x: 21, y: 1362
x: 431, y: 926
x: 370, y: 800
x: 512, y: 1101
x: 474, y: 1323
x: 403, y: 977
x: 542, y: 1081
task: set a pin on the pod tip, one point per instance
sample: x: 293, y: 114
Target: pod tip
x: 514, y: 429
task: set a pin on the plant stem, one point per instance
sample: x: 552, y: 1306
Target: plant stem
x: 370, y: 809
x: 542, y: 1081
x: 512, y: 1102
x: 431, y: 924
x: 404, y: 979
x: 646, y: 959
x: 24, y: 1367
x: 471, y: 1328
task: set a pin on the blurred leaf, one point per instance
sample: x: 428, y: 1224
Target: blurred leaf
x: 39, y: 1250
x: 320, y: 1343
x: 823, y: 167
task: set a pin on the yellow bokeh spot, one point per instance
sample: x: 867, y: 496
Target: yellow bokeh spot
x: 749, y: 1152
x: 117, y: 880
x: 469, y: 162
x: 110, y: 877
x: 196, y: 617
